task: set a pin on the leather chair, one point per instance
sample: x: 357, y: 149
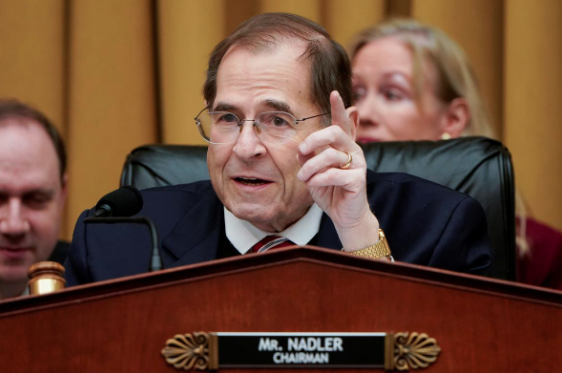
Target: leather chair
x: 477, y: 166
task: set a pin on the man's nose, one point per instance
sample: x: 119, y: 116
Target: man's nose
x: 248, y: 144
x: 13, y: 221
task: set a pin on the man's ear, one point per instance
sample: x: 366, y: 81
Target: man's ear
x: 64, y: 188
x: 456, y: 117
x: 353, y: 115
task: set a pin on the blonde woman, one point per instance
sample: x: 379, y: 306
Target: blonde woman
x: 412, y: 82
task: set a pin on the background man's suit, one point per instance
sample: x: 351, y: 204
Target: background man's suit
x: 424, y: 222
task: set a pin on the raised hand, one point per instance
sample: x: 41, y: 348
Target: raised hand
x: 334, y: 169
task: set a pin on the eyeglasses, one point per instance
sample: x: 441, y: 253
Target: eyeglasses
x: 273, y: 127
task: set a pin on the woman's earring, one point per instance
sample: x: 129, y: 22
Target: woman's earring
x: 445, y: 136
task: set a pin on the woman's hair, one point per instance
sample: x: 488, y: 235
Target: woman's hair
x: 455, y: 76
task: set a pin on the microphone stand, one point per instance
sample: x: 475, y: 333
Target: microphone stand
x: 156, y: 262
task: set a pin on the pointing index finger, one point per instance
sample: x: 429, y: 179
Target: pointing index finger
x: 339, y: 114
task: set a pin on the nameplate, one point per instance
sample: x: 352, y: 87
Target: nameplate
x: 226, y: 350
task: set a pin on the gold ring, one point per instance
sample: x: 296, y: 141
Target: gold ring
x: 349, y: 159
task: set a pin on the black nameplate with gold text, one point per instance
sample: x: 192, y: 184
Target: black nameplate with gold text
x: 328, y: 350
x: 227, y: 350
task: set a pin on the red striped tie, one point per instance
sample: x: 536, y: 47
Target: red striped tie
x: 270, y: 242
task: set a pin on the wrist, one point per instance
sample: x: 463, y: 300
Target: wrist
x: 361, y: 235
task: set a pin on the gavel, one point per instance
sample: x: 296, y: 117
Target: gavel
x: 45, y: 277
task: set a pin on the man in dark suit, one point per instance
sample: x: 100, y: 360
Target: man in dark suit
x: 284, y: 163
x: 32, y: 193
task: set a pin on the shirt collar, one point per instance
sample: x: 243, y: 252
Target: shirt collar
x: 243, y: 235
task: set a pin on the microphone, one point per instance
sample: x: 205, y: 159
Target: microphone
x: 118, y: 207
x: 125, y: 201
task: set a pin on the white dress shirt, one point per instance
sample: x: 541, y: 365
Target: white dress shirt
x: 243, y: 235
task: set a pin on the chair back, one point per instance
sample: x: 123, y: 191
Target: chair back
x: 477, y: 166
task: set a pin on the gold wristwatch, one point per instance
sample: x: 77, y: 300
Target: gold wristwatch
x: 379, y: 249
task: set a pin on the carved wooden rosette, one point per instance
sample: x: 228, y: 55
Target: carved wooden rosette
x: 414, y: 351
x: 187, y: 351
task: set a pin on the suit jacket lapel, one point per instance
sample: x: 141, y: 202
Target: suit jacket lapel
x: 195, y: 238
x: 327, y: 235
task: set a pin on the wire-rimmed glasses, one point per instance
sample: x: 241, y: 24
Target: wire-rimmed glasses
x: 223, y: 127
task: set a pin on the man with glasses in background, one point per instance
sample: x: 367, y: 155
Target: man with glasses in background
x: 285, y: 169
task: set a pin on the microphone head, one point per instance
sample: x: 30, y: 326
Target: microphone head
x: 125, y: 201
